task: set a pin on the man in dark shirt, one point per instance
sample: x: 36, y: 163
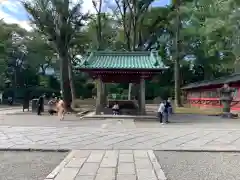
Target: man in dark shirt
x: 40, y: 104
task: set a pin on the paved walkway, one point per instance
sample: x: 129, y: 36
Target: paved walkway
x: 96, y: 138
x: 177, y: 121
x: 112, y: 149
x: 109, y: 165
x: 5, y: 111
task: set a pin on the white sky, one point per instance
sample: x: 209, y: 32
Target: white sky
x: 12, y: 12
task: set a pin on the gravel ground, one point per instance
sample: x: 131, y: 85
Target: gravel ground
x: 200, y: 165
x: 28, y: 165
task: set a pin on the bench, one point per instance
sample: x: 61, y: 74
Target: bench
x: 127, y: 107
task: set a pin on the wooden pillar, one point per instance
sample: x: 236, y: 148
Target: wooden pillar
x: 99, y: 101
x: 139, y: 98
x: 104, y: 94
x: 142, y: 97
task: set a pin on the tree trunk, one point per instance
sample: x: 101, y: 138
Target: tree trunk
x: 177, y: 63
x: 64, y: 79
x: 71, y: 82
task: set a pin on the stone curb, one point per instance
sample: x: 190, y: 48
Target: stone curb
x: 82, y: 113
x: 7, y: 109
x: 33, y: 149
x: 58, y: 169
x: 68, y: 150
x: 156, y: 165
x: 199, y: 150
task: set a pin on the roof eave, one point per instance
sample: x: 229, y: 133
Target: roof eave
x: 120, y: 69
x: 200, y: 86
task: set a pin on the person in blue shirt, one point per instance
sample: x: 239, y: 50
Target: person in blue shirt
x: 170, y: 110
x: 166, y: 111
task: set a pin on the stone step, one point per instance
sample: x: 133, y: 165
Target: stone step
x: 107, y: 116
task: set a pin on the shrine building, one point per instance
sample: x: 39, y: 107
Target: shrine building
x: 121, y: 67
x: 205, y: 94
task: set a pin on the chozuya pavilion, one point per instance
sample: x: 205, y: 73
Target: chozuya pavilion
x: 121, y: 67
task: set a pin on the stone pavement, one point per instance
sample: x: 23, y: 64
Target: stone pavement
x: 114, y: 150
x: 178, y: 121
x: 5, y: 111
x: 165, y: 138
x: 108, y: 165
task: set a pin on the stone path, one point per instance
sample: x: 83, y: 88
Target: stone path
x: 96, y: 138
x: 110, y: 149
x: 109, y: 165
x: 5, y: 111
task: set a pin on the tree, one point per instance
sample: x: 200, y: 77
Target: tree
x: 131, y: 13
x: 207, y: 36
x: 189, y: 42
x: 59, y: 21
x: 176, y: 5
x: 40, y: 54
x: 223, y: 20
x: 98, y: 21
x: 110, y: 33
x: 13, y: 53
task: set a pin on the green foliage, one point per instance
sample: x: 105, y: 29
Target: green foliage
x: 44, y: 81
x: 60, y: 22
x: 35, y: 92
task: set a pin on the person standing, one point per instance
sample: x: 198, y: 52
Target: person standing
x: 166, y: 111
x: 170, y: 110
x: 1, y: 97
x: 160, y: 111
x: 40, y: 105
x: 10, y: 100
x: 61, y: 109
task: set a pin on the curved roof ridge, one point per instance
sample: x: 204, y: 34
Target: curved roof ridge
x: 114, y: 53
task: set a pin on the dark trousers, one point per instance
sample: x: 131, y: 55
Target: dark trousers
x: 165, y: 117
x: 160, y: 116
x: 39, y: 110
x: 51, y: 111
x: 115, y: 111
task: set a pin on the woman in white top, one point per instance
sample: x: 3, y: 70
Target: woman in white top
x: 115, y: 109
x: 161, y: 111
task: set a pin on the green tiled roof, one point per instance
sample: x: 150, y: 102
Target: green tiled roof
x: 222, y: 80
x: 122, y: 60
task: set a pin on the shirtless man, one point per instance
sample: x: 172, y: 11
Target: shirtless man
x: 61, y: 109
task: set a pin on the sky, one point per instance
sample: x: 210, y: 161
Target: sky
x: 11, y: 11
